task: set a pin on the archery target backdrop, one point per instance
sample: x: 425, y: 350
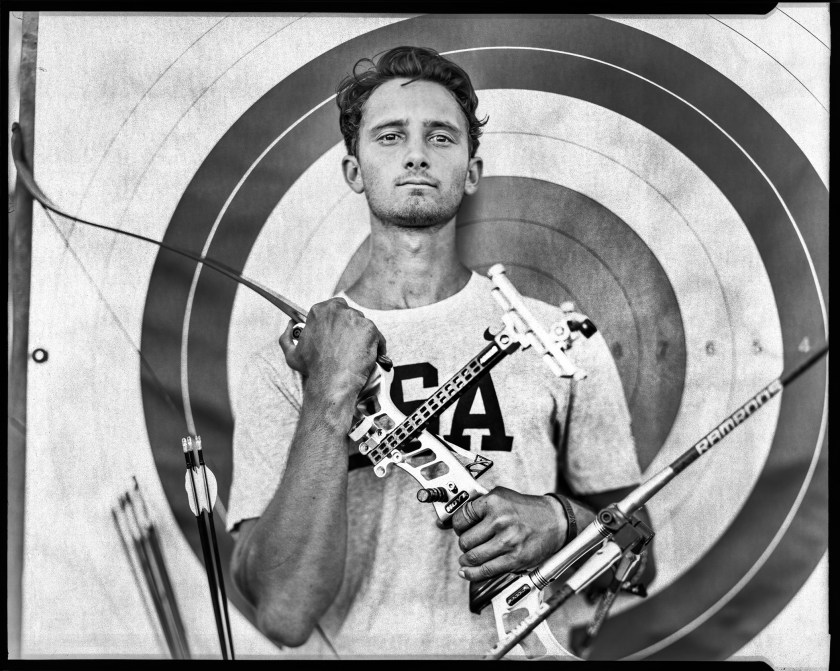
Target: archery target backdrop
x: 669, y: 176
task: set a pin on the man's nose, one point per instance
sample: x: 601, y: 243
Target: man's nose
x: 416, y: 156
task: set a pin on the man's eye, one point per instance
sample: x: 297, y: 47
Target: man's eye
x: 441, y: 139
x: 388, y: 137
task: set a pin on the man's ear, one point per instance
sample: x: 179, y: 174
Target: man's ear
x: 474, y: 170
x: 353, y: 173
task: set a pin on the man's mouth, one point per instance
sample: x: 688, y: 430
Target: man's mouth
x: 415, y: 182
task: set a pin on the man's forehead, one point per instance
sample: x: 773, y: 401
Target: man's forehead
x: 428, y: 99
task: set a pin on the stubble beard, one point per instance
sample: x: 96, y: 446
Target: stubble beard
x: 416, y: 213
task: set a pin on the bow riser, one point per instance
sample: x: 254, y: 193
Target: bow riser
x: 442, y: 472
x: 516, y: 603
x: 426, y: 457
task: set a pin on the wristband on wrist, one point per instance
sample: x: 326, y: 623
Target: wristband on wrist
x: 571, y: 527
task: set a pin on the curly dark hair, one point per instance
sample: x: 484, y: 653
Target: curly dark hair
x: 416, y: 63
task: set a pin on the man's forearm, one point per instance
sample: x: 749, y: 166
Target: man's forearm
x: 291, y: 564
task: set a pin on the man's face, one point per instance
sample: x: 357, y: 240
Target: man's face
x: 412, y: 157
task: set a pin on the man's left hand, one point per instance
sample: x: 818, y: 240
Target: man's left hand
x: 505, y: 531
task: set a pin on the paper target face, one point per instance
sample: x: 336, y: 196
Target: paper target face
x: 693, y: 287
x: 622, y: 173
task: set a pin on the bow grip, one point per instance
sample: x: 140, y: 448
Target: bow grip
x: 482, y: 592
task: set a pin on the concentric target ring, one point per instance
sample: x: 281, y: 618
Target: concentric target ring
x: 703, y: 115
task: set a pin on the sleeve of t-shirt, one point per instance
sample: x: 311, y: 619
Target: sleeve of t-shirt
x: 265, y: 416
x: 600, y: 454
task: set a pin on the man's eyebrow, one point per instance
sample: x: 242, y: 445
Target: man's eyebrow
x: 434, y: 123
x: 390, y: 123
x: 427, y: 123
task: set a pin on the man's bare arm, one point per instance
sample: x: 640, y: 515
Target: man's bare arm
x: 289, y: 563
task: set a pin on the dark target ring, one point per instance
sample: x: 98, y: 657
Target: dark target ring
x: 690, y: 105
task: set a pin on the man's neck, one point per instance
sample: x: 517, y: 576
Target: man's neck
x: 409, y: 268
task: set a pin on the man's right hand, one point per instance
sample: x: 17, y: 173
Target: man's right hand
x: 336, y: 350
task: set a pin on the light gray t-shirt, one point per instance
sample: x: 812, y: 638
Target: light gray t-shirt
x: 401, y: 594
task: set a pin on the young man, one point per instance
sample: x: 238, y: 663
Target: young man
x: 321, y: 538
